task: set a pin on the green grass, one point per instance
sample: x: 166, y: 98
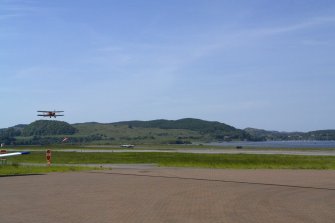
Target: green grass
x: 231, y: 161
x: 16, y: 169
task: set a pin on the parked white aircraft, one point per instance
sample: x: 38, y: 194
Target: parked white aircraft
x: 13, y: 154
x: 127, y: 146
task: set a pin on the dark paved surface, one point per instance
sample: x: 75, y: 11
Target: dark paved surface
x: 170, y: 195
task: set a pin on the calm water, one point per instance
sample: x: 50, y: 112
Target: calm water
x: 281, y: 144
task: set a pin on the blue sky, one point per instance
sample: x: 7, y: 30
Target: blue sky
x: 263, y: 64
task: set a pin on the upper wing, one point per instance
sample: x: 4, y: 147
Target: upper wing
x: 13, y: 154
x: 50, y: 111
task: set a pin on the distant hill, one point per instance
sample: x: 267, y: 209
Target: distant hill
x: 20, y: 126
x: 217, y: 130
x: 263, y: 135
x: 186, y: 123
x: 161, y: 131
x: 46, y: 127
x: 321, y: 135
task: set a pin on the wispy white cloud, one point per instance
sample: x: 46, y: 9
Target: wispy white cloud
x: 17, y: 8
x: 313, y: 42
x: 306, y: 24
x: 224, y: 40
x: 110, y: 49
x: 36, y: 72
x: 10, y: 16
x: 168, y: 58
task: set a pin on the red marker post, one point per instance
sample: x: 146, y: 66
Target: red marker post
x: 3, y: 160
x: 48, y: 156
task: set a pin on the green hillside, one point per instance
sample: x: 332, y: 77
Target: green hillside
x: 162, y: 131
x: 321, y: 135
x: 262, y: 135
x: 186, y: 123
x: 45, y: 127
x: 213, y: 130
x: 123, y: 133
x: 183, y: 131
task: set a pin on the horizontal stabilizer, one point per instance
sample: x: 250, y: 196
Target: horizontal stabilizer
x: 46, y: 115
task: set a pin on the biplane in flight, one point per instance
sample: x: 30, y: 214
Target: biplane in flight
x: 50, y: 113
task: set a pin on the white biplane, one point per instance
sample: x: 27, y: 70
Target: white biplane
x: 50, y: 113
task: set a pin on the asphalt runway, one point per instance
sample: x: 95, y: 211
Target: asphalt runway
x: 170, y: 195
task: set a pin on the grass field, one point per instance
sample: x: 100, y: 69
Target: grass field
x: 16, y: 169
x: 231, y: 161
